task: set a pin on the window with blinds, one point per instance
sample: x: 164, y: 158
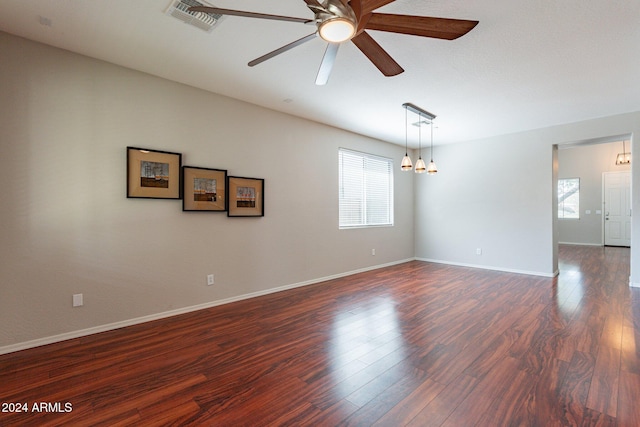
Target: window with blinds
x: 365, y: 189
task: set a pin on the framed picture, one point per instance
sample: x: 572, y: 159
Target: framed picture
x: 246, y: 196
x: 204, y: 189
x: 153, y: 174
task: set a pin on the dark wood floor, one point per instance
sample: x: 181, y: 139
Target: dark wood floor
x: 416, y: 344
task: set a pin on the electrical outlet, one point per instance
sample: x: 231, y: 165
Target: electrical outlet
x: 373, y: 251
x: 78, y: 300
x: 478, y: 251
x: 210, y: 279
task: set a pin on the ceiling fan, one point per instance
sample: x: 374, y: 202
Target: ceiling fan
x: 338, y: 21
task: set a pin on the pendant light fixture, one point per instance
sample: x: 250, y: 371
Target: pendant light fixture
x: 420, y: 166
x: 623, y: 158
x: 432, y: 169
x: 406, y: 160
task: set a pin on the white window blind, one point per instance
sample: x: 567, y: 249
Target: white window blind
x: 365, y: 189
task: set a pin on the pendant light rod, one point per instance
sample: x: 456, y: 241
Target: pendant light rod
x: 417, y: 110
x: 431, y: 142
x: 420, y: 166
x: 406, y: 133
x: 406, y: 164
x: 420, y: 140
x: 432, y: 169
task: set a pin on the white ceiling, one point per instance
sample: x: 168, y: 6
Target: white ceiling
x: 526, y: 65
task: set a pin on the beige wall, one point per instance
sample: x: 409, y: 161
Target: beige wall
x: 68, y: 228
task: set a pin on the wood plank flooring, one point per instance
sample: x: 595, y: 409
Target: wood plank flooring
x: 417, y: 344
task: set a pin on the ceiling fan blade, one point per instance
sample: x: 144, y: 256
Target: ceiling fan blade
x: 282, y: 49
x: 219, y: 11
x: 425, y: 26
x: 376, y: 54
x: 327, y: 63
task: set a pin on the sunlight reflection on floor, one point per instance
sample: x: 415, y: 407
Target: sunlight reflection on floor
x: 362, y: 336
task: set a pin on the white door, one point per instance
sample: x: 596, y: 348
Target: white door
x: 617, y: 208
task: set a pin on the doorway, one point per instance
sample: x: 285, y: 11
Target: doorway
x: 593, y: 162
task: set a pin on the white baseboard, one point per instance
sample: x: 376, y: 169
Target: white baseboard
x: 580, y: 244
x: 117, y: 325
x: 488, y: 267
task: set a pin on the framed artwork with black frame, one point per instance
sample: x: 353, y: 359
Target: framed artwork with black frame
x: 204, y: 189
x: 246, y: 196
x: 153, y: 174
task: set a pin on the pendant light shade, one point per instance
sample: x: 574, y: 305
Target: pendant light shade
x: 406, y: 163
x: 420, y: 166
x: 432, y: 168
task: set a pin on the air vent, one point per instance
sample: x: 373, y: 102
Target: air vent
x: 204, y: 21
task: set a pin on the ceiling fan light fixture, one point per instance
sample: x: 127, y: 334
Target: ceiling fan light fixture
x: 336, y: 30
